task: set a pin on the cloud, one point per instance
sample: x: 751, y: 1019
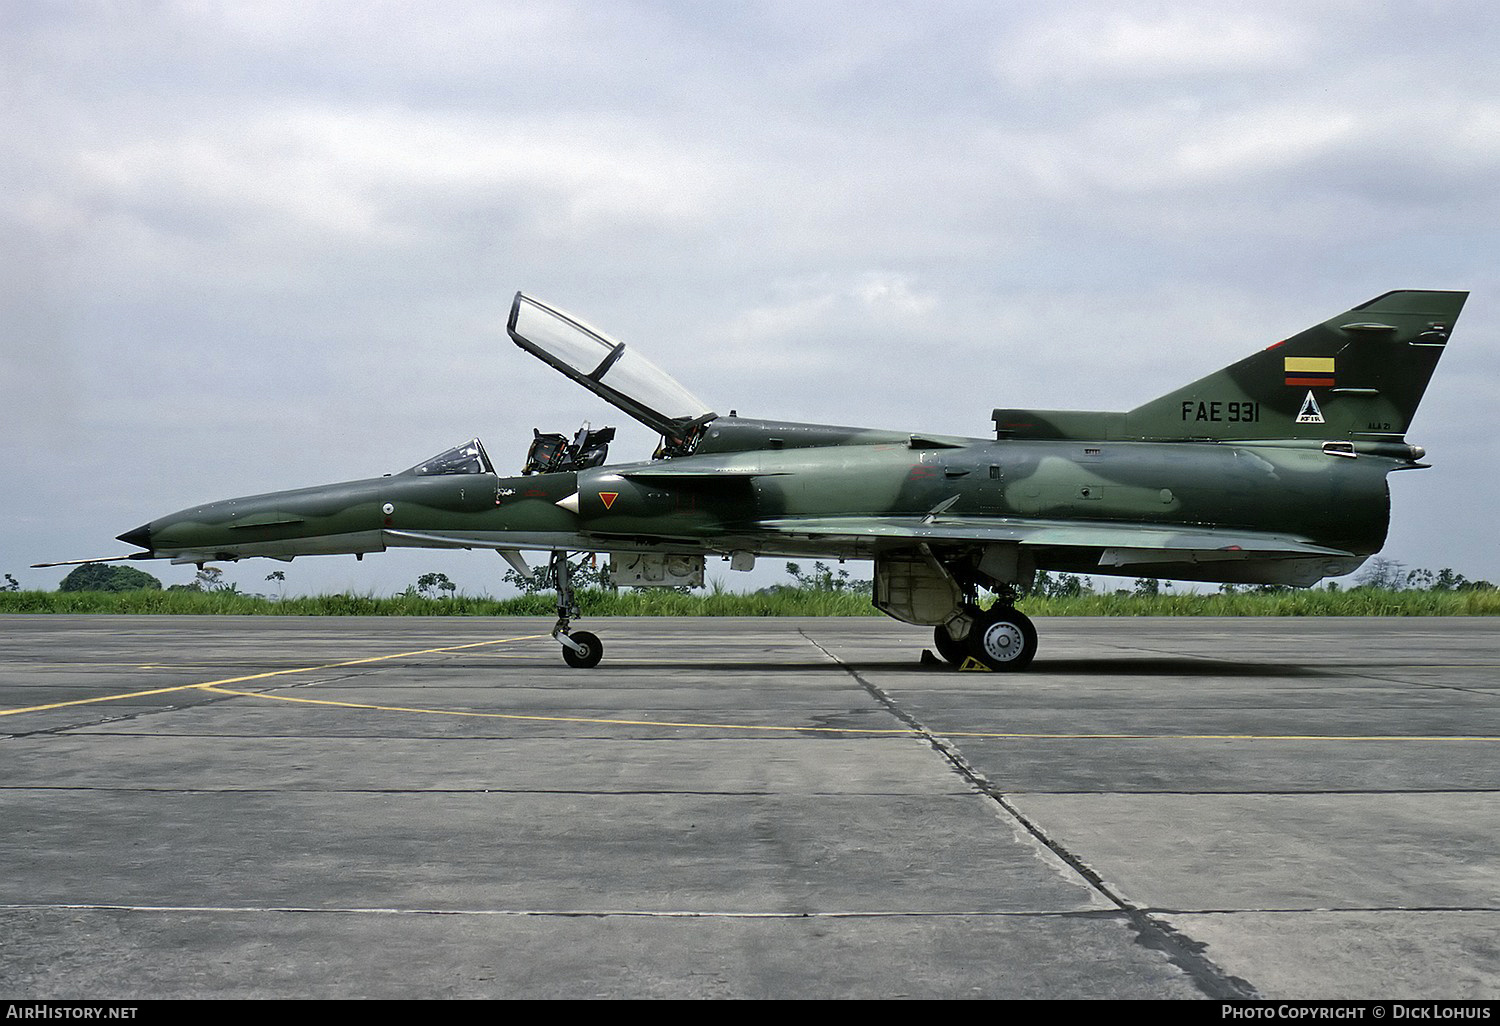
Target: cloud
x: 351, y: 177
x: 270, y: 242
x: 1103, y: 43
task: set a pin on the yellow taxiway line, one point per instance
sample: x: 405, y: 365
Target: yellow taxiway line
x: 209, y: 685
x: 895, y: 731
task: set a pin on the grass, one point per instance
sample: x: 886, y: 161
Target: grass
x: 784, y: 602
x: 1295, y: 602
x: 593, y: 602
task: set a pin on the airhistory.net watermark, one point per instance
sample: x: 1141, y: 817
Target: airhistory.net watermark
x: 52, y: 1010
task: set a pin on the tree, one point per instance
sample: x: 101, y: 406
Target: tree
x: 823, y: 578
x: 1447, y: 580
x: 211, y: 578
x: 103, y: 577
x: 436, y: 583
x: 588, y: 572
x: 11, y: 584
x: 1047, y: 585
x: 1382, y: 573
x: 537, y: 582
x: 1421, y: 579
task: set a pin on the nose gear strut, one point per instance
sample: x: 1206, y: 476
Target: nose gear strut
x: 581, y: 649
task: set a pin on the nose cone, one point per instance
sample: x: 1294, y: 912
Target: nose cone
x: 141, y: 536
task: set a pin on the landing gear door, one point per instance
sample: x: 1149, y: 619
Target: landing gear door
x: 609, y: 369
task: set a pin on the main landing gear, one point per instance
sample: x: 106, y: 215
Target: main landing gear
x: 1001, y: 637
x: 581, y: 649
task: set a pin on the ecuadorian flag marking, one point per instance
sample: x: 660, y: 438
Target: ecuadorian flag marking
x: 1309, y: 371
x: 608, y: 498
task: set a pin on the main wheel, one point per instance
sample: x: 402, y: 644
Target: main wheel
x: 949, y: 647
x: 955, y: 650
x: 593, y: 650
x: 1003, y: 639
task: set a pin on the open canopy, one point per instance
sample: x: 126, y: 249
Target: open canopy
x: 605, y: 367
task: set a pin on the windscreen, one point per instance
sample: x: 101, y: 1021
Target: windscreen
x: 468, y: 458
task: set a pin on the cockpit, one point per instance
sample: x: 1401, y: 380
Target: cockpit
x: 552, y: 453
x: 549, y: 454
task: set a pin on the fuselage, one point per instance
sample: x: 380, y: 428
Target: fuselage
x: 720, y: 502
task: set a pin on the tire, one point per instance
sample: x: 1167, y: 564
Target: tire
x: 593, y: 651
x: 1004, y: 639
x: 949, y: 647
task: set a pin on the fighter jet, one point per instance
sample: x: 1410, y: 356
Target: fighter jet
x: 1270, y: 471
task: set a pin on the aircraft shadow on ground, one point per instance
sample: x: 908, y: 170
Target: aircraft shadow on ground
x: 1118, y: 666
x: 1158, y: 666
x: 1101, y: 666
x: 602, y: 673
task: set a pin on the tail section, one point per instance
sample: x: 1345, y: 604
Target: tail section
x: 1358, y: 376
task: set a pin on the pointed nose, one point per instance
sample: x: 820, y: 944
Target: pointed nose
x: 140, y: 536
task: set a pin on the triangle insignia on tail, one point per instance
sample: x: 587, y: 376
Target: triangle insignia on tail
x: 1310, y: 414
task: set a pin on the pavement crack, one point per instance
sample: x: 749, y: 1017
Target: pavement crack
x: 204, y: 698
x: 1182, y: 951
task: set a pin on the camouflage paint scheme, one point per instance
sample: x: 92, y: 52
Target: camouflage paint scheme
x: 1272, y: 470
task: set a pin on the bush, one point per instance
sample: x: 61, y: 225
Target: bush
x: 103, y: 577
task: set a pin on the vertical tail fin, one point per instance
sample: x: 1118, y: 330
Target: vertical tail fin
x: 1357, y: 376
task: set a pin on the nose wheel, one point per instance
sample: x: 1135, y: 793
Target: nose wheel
x: 581, y: 649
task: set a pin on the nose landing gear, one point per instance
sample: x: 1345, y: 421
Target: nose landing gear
x: 581, y: 649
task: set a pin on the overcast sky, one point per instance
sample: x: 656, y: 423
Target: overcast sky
x: 261, y: 245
